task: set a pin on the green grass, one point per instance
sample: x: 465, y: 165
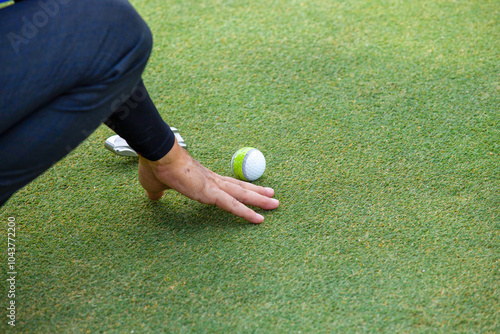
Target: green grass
x: 380, y: 123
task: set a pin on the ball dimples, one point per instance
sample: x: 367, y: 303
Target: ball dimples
x: 248, y: 164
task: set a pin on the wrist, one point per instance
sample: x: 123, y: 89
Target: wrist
x: 176, y: 155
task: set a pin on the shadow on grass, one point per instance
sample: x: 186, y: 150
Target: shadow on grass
x: 187, y: 214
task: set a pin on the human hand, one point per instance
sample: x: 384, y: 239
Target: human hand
x: 179, y: 171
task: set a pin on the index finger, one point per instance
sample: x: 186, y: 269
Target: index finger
x: 266, y: 191
x: 248, y: 196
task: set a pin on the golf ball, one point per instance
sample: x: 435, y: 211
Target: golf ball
x: 248, y: 164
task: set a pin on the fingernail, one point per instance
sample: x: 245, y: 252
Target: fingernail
x: 270, y: 191
x: 261, y: 217
x: 275, y: 201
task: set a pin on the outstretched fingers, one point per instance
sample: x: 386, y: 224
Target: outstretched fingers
x: 226, y: 202
x: 250, y: 195
x: 268, y: 192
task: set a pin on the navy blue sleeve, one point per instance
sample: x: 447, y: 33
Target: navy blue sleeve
x: 137, y: 121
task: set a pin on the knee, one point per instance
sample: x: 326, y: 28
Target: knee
x: 109, y: 37
x: 132, y: 29
x: 125, y: 27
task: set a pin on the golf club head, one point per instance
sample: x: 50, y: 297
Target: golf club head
x: 118, y: 145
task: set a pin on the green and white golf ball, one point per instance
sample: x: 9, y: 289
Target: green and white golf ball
x: 248, y: 164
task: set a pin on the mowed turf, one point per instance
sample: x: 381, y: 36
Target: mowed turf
x: 380, y: 124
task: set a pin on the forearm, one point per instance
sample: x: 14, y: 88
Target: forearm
x: 137, y: 121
